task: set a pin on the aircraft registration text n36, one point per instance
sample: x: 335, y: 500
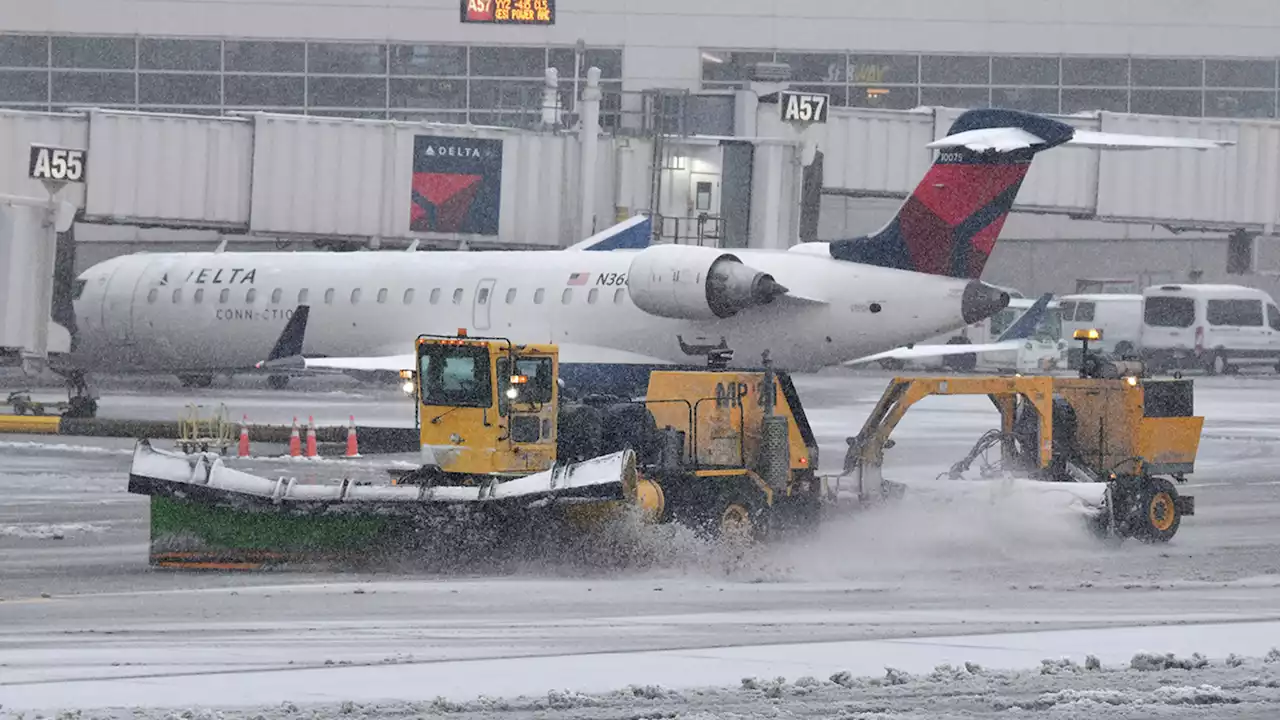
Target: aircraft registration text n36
x: 804, y: 107
x: 54, y: 163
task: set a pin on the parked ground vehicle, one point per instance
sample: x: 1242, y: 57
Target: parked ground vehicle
x: 1217, y: 328
x: 1118, y: 316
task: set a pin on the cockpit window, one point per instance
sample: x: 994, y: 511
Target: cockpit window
x: 455, y: 376
x: 78, y: 289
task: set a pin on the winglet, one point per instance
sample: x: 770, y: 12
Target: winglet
x: 288, y: 348
x: 1025, y: 326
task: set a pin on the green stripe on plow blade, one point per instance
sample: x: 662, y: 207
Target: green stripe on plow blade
x: 198, y: 534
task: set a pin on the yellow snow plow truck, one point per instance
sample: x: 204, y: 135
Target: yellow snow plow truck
x: 710, y: 448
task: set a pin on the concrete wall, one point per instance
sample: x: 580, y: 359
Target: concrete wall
x: 662, y: 37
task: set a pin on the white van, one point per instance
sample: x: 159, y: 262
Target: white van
x: 1214, y: 327
x: 1118, y: 316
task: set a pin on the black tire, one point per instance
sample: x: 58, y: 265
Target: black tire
x: 1156, y: 518
x: 735, y: 513
x: 1124, y: 349
x: 961, y: 363
x: 1217, y: 364
x: 629, y: 425
x: 579, y: 433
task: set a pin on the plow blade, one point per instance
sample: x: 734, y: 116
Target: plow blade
x: 205, y: 514
x: 1088, y: 499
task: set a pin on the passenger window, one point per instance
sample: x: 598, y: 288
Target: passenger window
x: 224, y: 296
x: 303, y: 294
x: 250, y: 295
x: 199, y: 295
x: 593, y: 295
x: 511, y: 296
x: 382, y: 296
x: 566, y: 296
x: 355, y: 296
x: 1169, y: 312
x: 276, y: 295
x: 408, y: 296
x: 1084, y: 312
x: 435, y: 296
x: 177, y: 295
x: 457, y: 296
x: 483, y: 297
x: 1273, y: 317
x: 618, y: 296
x: 328, y: 296
x: 1236, y: 313
x: 151, y: 296
x: 538, y: 296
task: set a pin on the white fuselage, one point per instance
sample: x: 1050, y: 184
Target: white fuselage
x: 191, y: 312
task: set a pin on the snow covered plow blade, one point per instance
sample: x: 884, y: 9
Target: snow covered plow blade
x: 1110, y: 449
x: 205, y: 514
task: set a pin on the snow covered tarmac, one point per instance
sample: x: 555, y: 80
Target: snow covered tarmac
x: 910, y: 588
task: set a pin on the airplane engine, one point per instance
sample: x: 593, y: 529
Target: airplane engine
x: 695, y: 283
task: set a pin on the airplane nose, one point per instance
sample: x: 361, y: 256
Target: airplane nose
x: 980, y: 301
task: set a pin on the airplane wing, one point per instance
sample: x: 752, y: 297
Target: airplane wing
x: 923, y: 351
x: 1009, y: 139
x: 1010, y: 339
x: 388, y: 363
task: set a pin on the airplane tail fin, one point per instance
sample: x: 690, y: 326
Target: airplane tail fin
x: 950, y: 224
x: 288, y: 346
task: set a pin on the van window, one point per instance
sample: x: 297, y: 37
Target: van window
x: 1238, y: 313
x: 1068, y: 310
x: 1273, y: 317
x: 1169, y: 312
x: 1084, y: 312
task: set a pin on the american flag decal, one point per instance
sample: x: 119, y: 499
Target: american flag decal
x: 579, y: 278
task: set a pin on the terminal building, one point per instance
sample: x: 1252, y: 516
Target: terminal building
x: 679, y: 67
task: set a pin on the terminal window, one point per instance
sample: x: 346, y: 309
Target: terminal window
x: 440, y: 82
x: 1184, y: 86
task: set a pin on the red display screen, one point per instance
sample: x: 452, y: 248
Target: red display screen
x: 509, y: 12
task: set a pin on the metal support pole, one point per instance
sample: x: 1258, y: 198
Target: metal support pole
x: 589, y: 137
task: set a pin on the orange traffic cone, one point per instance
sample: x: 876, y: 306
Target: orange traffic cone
x: 295, y: 442
x: 353, y: 446
x: 311, y: 437
x: 244, y: 436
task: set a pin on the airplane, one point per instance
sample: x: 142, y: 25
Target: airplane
x: 615, y: 313
x: 1013, y: 336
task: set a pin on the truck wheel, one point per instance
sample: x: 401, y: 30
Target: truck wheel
x: 1157, y: 518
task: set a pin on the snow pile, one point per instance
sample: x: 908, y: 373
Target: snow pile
x: 1183, y: 689
x: 43, y: 531
x: 44, y: 447
x: 1151, y: 661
